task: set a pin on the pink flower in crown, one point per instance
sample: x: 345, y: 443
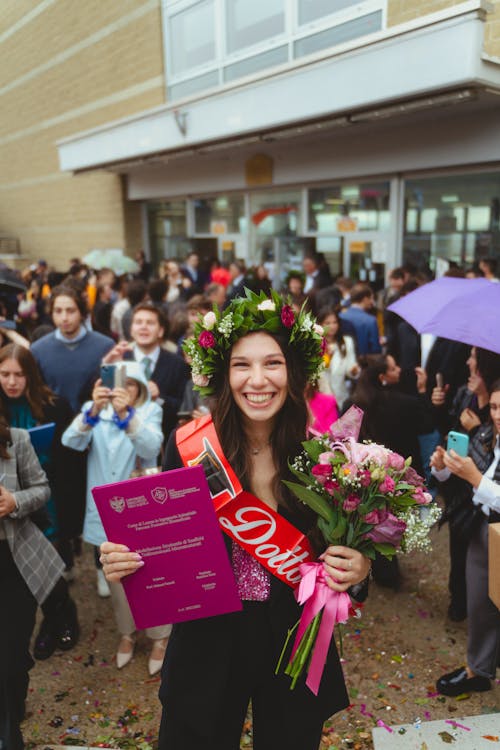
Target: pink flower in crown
x: 351, y: 503
x: 323, y: 347
x: 372, y: 517
x: 331, y: 486
x: 365, y: 478
x: 395, y: 461
x: 387, y: 485
x: 349, y: 470
x: 321, y: 472
x: 287, y: 316
x: 206, y: 339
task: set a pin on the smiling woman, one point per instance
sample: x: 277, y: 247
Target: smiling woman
x: 255, y: 359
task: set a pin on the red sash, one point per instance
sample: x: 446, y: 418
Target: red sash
x: 267, y: 536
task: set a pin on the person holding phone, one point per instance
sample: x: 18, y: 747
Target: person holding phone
x: 470, y: 409
x: 120, y: 428
x: 479, y: 473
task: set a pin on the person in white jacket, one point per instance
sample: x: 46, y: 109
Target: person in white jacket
x: 121, y: 428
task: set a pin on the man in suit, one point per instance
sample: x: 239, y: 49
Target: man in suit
x: 365, y: 324
x: 166, y: 373
x: 239, y: 281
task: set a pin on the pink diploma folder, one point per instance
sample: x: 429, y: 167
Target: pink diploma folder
x: 170, y: 519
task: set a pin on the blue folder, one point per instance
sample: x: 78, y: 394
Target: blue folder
x: 42, y: 437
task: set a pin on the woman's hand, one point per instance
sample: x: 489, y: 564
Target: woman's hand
x: 7, y: 502
x: 120, y: 398
x: 437, y: 458
x: 421, y: 379
x: 344, y: 567
x: 469, y: 420
x: 438, y: 395
x: 100, y: 398
x: 465, y: 468
x: 118, y: 561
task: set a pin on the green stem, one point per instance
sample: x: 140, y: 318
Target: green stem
x: 310, y: 640
x: 341, y: 640
x: 290, y: 633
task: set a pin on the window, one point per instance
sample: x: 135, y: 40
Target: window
x: 349, y: 208
x: 211, y: 42
x: 220, y: 215
x: 452, y: 218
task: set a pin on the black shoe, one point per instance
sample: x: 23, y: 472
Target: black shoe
x: 458, y: 682
x: 457, y: 612
x: 45, y: 642
x: 68, y: 631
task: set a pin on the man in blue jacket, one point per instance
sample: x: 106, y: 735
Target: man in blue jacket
x: 365, y: 324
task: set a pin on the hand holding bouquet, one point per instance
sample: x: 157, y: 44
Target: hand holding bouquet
x: 365, y: 497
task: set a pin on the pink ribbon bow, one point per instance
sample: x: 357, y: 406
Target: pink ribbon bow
x: 314, y: 592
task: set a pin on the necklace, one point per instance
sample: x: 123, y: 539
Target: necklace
x: 256, y: 451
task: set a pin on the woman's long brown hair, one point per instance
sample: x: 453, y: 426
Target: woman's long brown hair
x: 37, y: 393
x: 288, y: 433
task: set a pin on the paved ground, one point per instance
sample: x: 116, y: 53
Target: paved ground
x: 392, y: 657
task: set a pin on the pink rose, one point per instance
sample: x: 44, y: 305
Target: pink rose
x: 388, y: 531
x: 351, y: 503
x: 387, y: 485
x: 395, y: 461
x: 287, y: 316
x: 321, y: 472
x: 365, y: 478
x: 206, y: 339
x: 421, y: 497
x: 372, y: 517
x: 331, y: 486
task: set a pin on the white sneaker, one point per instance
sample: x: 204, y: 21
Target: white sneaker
x: 102, y: 585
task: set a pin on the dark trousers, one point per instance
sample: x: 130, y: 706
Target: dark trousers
x: 457, y: 583
x: 16, y: 627
x: 251, y: 678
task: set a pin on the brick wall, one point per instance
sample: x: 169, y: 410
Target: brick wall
x: 69, y: 66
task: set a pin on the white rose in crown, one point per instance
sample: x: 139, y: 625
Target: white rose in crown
x: 209, y: 320
x: 267, y: 305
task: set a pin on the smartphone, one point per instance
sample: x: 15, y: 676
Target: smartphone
x: 108, y: 376
x: 120, y: 376
x: 184, y: 415
x: 458, y: 442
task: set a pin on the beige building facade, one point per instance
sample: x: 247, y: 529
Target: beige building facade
x: 368, y: 130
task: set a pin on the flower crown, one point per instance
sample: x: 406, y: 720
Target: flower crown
x: 216, y: 332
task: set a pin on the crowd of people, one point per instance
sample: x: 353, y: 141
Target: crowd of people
x: 59, y: 339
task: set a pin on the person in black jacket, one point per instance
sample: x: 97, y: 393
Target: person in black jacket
x: 214, y: 666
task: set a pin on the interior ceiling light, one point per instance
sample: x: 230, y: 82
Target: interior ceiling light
x: 450, y: 198
x: 428, y: 102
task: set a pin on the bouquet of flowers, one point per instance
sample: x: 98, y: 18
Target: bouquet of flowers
x: 365, y: 497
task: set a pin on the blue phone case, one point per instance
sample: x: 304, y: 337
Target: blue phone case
x: 458, y: 442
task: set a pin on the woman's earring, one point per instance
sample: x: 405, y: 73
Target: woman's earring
x: 384, y: 382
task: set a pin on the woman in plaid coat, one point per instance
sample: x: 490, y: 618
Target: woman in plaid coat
x: 29, y: 569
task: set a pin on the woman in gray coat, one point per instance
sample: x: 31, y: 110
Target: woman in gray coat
x: 29, y: 569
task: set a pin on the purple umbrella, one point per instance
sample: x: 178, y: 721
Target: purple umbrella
x: 465, y: 310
